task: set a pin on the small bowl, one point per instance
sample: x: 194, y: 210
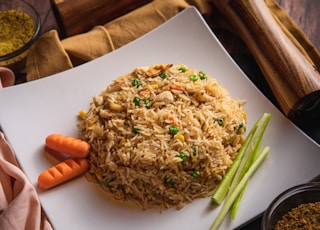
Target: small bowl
x: 289, y: 199
x: 16, y: 59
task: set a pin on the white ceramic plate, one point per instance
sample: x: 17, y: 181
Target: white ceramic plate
x: 31, y: 111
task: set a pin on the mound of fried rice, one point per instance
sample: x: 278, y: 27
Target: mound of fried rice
x: 162, y: 135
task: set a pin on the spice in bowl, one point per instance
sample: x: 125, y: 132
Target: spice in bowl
x: 306, y: 216
x: 296, y: 208
x: 20, y: 26
x: 16, y: 29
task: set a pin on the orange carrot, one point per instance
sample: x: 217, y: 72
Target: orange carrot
x: 62, y: 172
x: 176, y: 87
x: 145, y: 93
x: 68, y: 145
x: 173, y: 120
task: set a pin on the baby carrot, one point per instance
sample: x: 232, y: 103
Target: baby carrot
x: 68, y: 145
x: 62, y: 172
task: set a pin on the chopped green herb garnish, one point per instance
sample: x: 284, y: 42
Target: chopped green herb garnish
x: 108, y: 181
x: 136, y: 82
x: 220, y: 121
x: 241, y: 125
x: 193, y: 77
x: 135, y: 130
x: 194, y: 151
x: 196, y: 174
x: 168, y: 180
x: 182, y: 69
x: 164, y: 75
x: 183, y: 156
x: 202, y: 75
x: 173, y: 130
x: 136, y: 101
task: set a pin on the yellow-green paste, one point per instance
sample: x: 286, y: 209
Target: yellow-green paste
x: 16, y: 29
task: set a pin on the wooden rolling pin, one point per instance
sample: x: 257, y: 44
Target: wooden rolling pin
x: 293, y: 79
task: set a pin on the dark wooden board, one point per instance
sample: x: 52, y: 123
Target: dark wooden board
x: 78, y: 16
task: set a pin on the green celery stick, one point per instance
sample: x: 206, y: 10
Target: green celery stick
x: 256, y: 144
x: 236, y: 203
x: 224, y: 186
x: 235, y: 193
x: 222, y: 189
x: 251, y: 151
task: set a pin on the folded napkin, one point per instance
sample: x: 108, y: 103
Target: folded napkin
x: 51, y: 55
x: 19, y: 204
x: 100, y: 40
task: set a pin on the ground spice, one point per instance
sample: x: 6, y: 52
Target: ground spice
x: 16, y: 29
x: 305, y: 216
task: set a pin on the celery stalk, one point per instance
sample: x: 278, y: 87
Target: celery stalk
x: 251, y: 151
x: 222, y: 189
x: 236, y: 203
x: 227, y: 181
x: 252, y: 155
x: 235, y: 193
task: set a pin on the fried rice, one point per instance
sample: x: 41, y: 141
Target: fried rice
x: 162, y: 136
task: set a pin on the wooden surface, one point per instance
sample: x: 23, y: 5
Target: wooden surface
x: 305, y: 13
x: 90, y: 13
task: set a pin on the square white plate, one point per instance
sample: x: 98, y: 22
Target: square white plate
x: 31, y: 111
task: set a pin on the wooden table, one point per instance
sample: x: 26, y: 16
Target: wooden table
x: 304, y: 12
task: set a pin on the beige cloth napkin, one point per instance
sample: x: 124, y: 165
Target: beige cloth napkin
x: 51, y: 55
x: 100, y: 40
x: 19, y: 204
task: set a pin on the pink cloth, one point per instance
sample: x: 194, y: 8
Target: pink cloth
x: 19, y: 204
